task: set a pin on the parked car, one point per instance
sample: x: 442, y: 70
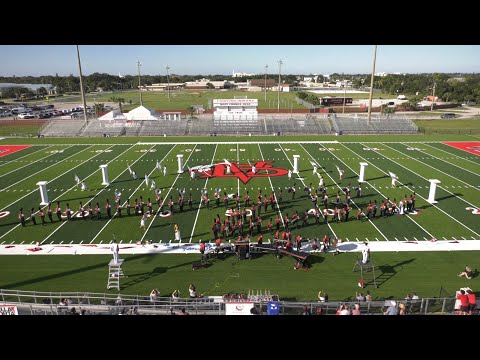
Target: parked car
x: 448, y: 116
x: 26, y: 116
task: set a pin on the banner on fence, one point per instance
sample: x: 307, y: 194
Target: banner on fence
x: 238, y: 308
x: 8, y: 309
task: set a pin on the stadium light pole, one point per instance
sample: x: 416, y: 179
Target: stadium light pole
x: 279, y: 82
x: 139, y: 85
x: 344, y: 95
x: 371, y: 85
x: 81, y: 86
x: 265, y: 89
x: 433, y: 95
x: 168, y: 84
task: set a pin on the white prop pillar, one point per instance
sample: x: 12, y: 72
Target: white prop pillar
x: 433, y: 187
x: 180, y: 163
x: 104, y: 175
x: 42, y: 185
x: 362, y: 172
x: 295, y: 163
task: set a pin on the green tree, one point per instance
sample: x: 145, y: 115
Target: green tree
x: 210, y: 86
x: 191, y: 110
x: 42, y: 91
x: 412, y: 102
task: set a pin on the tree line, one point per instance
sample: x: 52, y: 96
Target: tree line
x: 448, y: 87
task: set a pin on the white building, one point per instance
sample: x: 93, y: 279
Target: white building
x: 235, y: 109
x: 240, y: 74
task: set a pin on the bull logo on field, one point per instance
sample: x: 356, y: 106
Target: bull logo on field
x: 243, y: 172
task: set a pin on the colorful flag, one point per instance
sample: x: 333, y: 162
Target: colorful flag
x: 360, y: 283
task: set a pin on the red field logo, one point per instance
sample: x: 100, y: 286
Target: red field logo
x: 473, y: 147
x: 10, y: 149
x: 244, y: 172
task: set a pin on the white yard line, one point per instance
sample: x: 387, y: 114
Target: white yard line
x: 353, y: 202
x: 48, y: 167
x: 385, y: 197
x: 273, y: 189
x: 301, y: 179
x: 12, y: 161
x: 427, y: 180
x: 166, y: 196
x: 33, y: 162
x: 134, y: 191
x: 200, y: 205
x: 83, y: 162
x: 469, y: 185
x: 86, y: 202
x: 457, y: 156
x: 435, y: 206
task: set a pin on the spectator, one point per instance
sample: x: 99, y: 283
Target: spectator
x: 192, y: 290
x: 472, y: 301
x: 176, y: 295
x: 368, y: 297
x: 360, y: 297
x: 154, y: 295
x: 464, y: 305
x: 415, y: 296
x: 322, y: 296
x: 392, y: 309
x: 468, y: 273
x: 183, y: 312
x: 356, y: 309
x: 306, y: 310
x: 401, y: 309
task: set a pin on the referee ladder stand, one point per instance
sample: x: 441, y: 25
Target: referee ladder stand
x: 367, y: 272
x: 114, y: 273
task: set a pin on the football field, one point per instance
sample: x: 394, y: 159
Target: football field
x: 413, y: 163
x: 455, y: 162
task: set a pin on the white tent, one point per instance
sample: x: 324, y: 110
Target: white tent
x: 113, y: 115
x: 142, y: 113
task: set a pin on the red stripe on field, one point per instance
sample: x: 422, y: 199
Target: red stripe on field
x: 472, y: 147
x: 10, y: 149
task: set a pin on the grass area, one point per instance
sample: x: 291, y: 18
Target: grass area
x: 397, y: 274
x: 182, y: 99
x: 449, y: 126
x: 58, y: 160
x: 20, y: 130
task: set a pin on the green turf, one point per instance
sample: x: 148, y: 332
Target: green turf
x: 397, y: 274
x: 415, y: 159
x: 21, y: 130
x: 449, y: 126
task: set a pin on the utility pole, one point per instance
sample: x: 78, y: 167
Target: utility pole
x: 81, y: 86
x: 168, y: 84
x: 266, y: 67
x: 139, y: 85
x: 344, y: 95
x: 279, y: 82
x: 371, y: 86
x: 433, y: 95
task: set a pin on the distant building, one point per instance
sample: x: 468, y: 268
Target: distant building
x: 163, y: 86
x: 270, y: 83
x: 51, y: 90
x: 202, y: 84
x: 239, y: 74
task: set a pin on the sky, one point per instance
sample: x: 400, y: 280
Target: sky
x: 37, y: 60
